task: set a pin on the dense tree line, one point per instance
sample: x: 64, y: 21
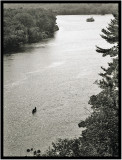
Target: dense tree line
x: 27, y: 26
x: 70, y: 8
x: 100, y: 136
x: 85, y: 9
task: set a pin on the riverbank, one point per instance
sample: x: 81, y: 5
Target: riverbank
x: 22, y: 26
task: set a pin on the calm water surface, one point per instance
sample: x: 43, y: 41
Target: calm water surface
x: 57, y: 76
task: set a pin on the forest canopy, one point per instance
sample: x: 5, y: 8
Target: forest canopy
x: 27, y: 26
x: 70, y: 8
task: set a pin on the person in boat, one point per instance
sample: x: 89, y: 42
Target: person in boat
x: 34, y: 110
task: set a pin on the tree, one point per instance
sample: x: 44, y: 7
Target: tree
x: 25, y: 19
x: 27, y: 26
x: 102, y: 125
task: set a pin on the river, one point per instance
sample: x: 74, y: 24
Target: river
x: 57, y: 76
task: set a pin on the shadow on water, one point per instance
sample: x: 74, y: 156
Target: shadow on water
x: 27, y: 47
x: 21, y: 49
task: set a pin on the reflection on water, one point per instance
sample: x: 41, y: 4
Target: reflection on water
x: 57, y: 77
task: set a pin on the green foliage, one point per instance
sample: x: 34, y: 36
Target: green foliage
x: 27, y: 26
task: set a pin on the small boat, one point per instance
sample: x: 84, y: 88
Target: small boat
x: 34, y: 110
x: 90, y: 19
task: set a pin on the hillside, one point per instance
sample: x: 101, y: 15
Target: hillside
x: 68, y: 8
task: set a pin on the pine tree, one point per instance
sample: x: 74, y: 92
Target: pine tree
x: 110, y: 77
x: 101, y: 136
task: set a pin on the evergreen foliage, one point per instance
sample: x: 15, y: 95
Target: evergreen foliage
x: 102, y: 126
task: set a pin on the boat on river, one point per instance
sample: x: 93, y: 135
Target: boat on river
x: 90, y: 19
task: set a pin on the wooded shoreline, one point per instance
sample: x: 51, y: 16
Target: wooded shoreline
x: 23, y: 26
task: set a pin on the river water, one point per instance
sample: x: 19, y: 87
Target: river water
x: 57, y: 76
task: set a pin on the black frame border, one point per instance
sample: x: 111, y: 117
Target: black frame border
x: 2, y: 2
